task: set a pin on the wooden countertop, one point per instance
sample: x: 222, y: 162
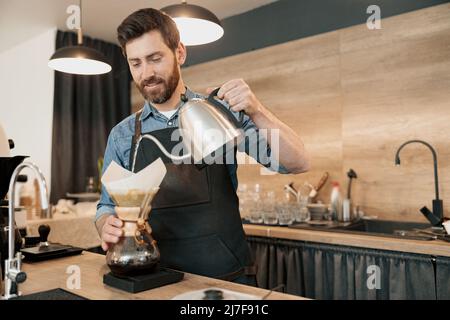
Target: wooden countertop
x: 53, y: 274
x: 434, y: 247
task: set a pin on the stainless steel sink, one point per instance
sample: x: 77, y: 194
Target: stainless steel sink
x: 375, y: 227
x: 384, y: 226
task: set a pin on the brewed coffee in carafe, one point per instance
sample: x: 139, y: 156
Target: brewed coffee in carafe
x: 136, y: 252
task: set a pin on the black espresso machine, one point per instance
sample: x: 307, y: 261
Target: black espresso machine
x: 31, y: 250
x: 7, y: 167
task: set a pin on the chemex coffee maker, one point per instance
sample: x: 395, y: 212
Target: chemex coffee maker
x: 136, y: 252
x: 134, y: 260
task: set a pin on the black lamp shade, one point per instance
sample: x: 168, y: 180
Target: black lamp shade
x: 196, y: 24
x: 79, y: 60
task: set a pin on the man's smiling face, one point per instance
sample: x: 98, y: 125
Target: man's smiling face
x: 154, y: 67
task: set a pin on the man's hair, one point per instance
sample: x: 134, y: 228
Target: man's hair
x: 145, y: 20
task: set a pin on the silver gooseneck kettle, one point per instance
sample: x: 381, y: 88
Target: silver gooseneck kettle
x: 205, y: 125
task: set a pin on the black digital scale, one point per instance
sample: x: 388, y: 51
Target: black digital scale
x: 138, y: 283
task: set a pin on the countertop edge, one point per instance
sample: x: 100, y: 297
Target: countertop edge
x: 433, y: 247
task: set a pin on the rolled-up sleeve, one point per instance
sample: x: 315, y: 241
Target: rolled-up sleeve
x: 106, y: 204
x: 255, y: 144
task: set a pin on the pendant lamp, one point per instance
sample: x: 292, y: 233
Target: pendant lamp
x: 196, y: 24
x: 79, y: 59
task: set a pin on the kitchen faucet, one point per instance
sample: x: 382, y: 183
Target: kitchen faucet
x: 13, y: 273
x: 437, y: 216
x: 351, y: 174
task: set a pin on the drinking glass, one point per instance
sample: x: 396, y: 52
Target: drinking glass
x: 302, y: 213
x: 244, y: 201
x: 285, y: 214
x: 255, y: 205
x: 268, y: 210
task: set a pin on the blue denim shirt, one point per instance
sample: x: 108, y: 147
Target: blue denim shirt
x: 118, y: 147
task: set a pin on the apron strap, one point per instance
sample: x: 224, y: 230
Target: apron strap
x: 137, y: 134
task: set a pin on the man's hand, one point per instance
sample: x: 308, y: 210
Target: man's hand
x: 109, y: 229
x: 239, y: 96
x: 289, y: 151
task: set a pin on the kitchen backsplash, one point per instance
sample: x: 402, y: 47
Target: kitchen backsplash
x: 355, y: 95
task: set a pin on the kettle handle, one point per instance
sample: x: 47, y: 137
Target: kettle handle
x: 239, y: 123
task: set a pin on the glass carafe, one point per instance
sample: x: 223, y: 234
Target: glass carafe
x: 136, y: 252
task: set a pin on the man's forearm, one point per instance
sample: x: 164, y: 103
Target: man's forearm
x: 290, y: 150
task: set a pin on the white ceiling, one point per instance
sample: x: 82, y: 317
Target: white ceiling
x: 22, y: 19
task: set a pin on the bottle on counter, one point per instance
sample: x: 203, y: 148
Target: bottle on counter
x: 336, y: 202
x: 346, y: 210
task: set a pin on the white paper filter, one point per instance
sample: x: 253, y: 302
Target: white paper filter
x: 119, y: 181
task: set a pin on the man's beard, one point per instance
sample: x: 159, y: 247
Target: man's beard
x: 165, y: 90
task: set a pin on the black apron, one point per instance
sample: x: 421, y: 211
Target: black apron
x: 195, y: 215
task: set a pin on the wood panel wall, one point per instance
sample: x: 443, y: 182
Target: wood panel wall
x: 355, y: 95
